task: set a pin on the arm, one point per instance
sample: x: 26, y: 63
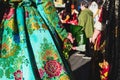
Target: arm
x: 67, y: 18
x: 82, y: 19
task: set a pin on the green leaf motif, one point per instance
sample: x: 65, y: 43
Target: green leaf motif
x: 1, y: 73
x: 9, y: 72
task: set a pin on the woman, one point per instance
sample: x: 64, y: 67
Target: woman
x: 100, y: 19
x: 29, y: 46
x: 85, y: 19
x: 74, y: 15
x: 65, y: 14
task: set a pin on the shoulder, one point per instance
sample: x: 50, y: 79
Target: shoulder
x: 85, y: 12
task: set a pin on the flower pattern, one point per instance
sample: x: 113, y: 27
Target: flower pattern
x: 53, y: 68
x: 10, y: 14
x: 49, y: 53
x: 18, y: 75
x: 64, y: 77
x: 26, y: 14
x: 41, y: 72
x: 26, y: 38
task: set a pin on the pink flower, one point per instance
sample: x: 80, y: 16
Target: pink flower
x: 18, y: 75
x: 10, y: 14
x: 26, y: 14
x: 53, y: 68
x: 41, y: 72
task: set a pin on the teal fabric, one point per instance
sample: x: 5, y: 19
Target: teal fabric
x: 29, y: 46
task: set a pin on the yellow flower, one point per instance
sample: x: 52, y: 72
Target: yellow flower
x: 35, y: 26
x: 11, y: 23
x: 64, y: 77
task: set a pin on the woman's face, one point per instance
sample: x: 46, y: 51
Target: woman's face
x: 72, y: 6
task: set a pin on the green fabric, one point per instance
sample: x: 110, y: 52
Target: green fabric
x: 47, y: 10
x: 86, y: 20
x: 78, y: 33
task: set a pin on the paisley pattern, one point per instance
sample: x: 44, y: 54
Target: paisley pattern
x: 29, y: 42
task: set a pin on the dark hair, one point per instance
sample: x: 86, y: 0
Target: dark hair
x: 99, y: 2
x: 85, y: 3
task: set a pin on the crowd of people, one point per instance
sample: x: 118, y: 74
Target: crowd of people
x: 31, y: 33
x: 87, y: 27
x: 90, y: 17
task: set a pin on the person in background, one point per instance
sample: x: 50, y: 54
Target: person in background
x: 29, y: 41
x: 86, y: 21
x: 69, y: 15
x: 99, y: 21
x: 94, y: 8
x: 65, y: 14
x: 74, y: 15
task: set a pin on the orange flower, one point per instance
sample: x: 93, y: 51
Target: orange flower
x: 5, y: 46
x: 50, y: 53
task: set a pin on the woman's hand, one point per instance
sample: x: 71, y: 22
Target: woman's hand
x: 74, y: 48
x: 70, y: 37
x: 91, y: 40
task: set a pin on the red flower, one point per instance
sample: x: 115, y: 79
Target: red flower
x: 18, y: 75
x: 105, y: 67
x: 53, y: 68
x: 41, y: 72
x: 9, y: 15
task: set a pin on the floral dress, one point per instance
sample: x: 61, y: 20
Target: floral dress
x: 29, y: 46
